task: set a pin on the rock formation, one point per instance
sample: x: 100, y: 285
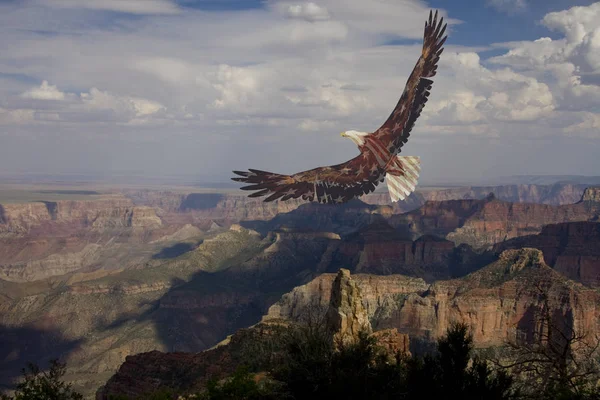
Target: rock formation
x: 495, y: 302
x: 346, y: 317
x: 238, y: 206
x: 573, y: 249
x: 483, y: 223
x: 110, y: 211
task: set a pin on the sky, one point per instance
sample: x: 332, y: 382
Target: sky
x: 202, y: 87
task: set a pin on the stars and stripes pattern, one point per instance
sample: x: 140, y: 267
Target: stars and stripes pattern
x: 379, y: 154
x: 402, y: 177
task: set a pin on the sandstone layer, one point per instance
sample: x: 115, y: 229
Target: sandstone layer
x: 483, y: 223
x: 573, y: 249
x: 495, y: 302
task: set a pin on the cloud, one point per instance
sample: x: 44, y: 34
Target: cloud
x: 16, y: 116
x: 308, y: 11
x: 44, y: 92
x: 588, y: 125
x: 508, y: 6
x: 210, y: 91
x: 125, y: 105
x: 569, y: 65
x: 94, y: 105
x: 576, y: 23
x: 481, y: 96
x: 236, y: 85
x: 124, y: 6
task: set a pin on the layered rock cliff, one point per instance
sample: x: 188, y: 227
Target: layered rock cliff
x: 109, y: 212
x: 482, y: 223
x: 573, y: 249
x: 495, y: 302
x: 555, y: 194
x: 238, y: 206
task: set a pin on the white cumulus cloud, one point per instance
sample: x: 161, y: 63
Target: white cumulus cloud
x: 308, y: 11
x: 44, y: 92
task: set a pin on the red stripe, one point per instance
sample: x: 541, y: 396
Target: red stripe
x: 395, y: 191
x: 395, y: 188
x: 403, y: 185
x: 379, y: 150
x: 408, y: 173
x: 399, y: 187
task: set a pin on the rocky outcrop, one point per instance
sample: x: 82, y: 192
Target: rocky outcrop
x: 382, y: 250
x: 555, y: 194
x: 438, y: 218
x: 591, y: 195
x: 498, y: 221
x: 375, y: 291
x: 591, y: 199
x: 345, y: 320
x: 19, y: 218
x: 393, y: 341
x: 573, y: 249
x: 482, y: 223
x: 346, y: 317
x: 495, y: 302
x: 146, y: 373
x: 105, y: 213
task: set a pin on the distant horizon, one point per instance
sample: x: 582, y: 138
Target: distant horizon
x: 193, y: 180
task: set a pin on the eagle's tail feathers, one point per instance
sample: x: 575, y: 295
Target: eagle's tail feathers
x: 402, y: 181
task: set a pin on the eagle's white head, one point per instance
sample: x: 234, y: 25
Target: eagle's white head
x: 355, y: 136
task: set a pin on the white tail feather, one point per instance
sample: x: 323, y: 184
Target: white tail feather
x: 401, y: 186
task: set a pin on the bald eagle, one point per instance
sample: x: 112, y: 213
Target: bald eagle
x: 378, y: 158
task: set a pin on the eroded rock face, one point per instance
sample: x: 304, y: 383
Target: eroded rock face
x: 591, y: 198
x: 237, y: 206
x: 573, y: 249
x: 380, y: 249
x: 346, y: 317
x: 375, y: 290
x: 494, y: 302
x: 483, y: 223
x: 498, y: 221
x: 393, y: 341
x: 109, y: 212
x: 556, y: 194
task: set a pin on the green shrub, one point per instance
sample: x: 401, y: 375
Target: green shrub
x: 44, y: 385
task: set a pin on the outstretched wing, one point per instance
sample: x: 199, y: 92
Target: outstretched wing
x: 334, y: 184
x: 396, y: 129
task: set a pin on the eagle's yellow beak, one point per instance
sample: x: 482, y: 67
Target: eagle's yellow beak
x: 343, y: 134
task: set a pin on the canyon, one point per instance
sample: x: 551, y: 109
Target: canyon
x: 125, y: 273
x: 499, y: 303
